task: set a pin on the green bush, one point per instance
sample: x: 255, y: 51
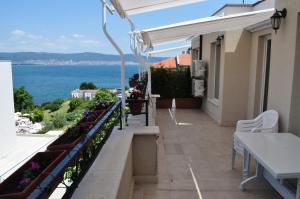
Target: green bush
x: 74, y: 116
x: 53, y: 106
x: 162, y: 82
x: 37, y: 115
x: 59, y: 121
x: 48, y: 126
x: 74, y: 103
x: 171, y: 83
x: 106, y: 95
x: 23, y: 100
x: 183, y: 86
x: 87, y: 86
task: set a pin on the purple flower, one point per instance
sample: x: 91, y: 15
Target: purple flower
x: 25, y: 181
x: 35, y: 165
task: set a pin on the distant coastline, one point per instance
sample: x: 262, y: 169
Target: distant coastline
x: 71, y: 63
x: 88, y: 58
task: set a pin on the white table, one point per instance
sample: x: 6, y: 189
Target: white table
x: 277, y: 156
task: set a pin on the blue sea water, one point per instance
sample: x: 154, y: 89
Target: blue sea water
x: 48, y: 82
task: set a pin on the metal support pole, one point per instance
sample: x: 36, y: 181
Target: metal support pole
x: 149, y: 77
x: 104, y: 9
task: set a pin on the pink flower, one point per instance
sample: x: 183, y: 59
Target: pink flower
x: 25, y: 181
x: 35, y: 165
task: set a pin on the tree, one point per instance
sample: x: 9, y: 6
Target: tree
x: 87, y: 86
x: 74, y: 103
x: 23, y: 100
x: 37, y: 115
x: 106, y: 95
x: 53, y: 106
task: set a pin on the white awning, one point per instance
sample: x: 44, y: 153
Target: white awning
x: 186, y: 47
x: 132, y: 7
x: 202, y: 26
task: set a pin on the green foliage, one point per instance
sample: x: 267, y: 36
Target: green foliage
x: 23, y: 100
x: 37, y: 115
x: 106, y: 95
x: 59, y: 121
x: 74, y: 116
x: 162, y: 82
x: 53, y: 106
x: 183, y: 86
x: 87, y: 86
x: 74, y: 103
x: 171, y: 83
x: 48, y: 126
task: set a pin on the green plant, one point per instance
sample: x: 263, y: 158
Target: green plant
x: 37, y: 115
x: 74, y: 116
x: 74, y: 103
x: 23, y: 100
x: 59, y: 120
x: 87, y: 86
x: 53, y: 106
x: 48, y: 126
x: 183, y: 86
x: 106, y: 95
x: 163, y: 82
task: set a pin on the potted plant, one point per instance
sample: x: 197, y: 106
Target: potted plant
x: 133, y: 81
x: 69, y: 139
x: 135, y: 106
x: 23, y: 181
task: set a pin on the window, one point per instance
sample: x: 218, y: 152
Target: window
x: 216, y: 62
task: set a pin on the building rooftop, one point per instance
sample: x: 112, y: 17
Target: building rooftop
x: 171, y: 63
x: 25, y: 147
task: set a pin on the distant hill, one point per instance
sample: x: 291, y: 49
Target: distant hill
x: 71, y: 58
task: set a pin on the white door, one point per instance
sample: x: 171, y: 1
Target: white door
x: 266, y: 73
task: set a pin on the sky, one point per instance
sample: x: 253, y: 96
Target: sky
x: 69, y: 26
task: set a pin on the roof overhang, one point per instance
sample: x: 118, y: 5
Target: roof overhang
x: 132, y: 7
x: 185, y: 30
x: 167, y: 50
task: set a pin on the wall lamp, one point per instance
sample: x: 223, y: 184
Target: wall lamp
x: 276, y: 18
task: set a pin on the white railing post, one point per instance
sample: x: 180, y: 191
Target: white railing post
x: 104, y: 9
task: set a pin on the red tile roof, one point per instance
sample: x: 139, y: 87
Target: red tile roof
x: 167, y: 63
x: 183, y: 60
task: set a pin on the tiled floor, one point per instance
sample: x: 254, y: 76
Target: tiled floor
x: 195, y: 161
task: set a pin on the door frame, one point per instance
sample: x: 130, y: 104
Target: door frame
x: 264, y: 72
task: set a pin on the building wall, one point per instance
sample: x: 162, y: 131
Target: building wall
x: 284, y: 68
x: 7, y: 120
x: 236, y: 77
x: 210, y: 106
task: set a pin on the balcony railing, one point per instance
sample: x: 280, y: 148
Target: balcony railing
x: 71, y: 170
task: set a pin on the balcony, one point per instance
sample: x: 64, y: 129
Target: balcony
x: 194, y: 161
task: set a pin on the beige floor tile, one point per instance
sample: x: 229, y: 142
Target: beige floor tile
x: 194, y: 152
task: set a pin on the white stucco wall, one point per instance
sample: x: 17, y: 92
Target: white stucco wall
x: 7, y: 121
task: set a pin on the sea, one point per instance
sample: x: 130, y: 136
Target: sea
x: 49, y: 82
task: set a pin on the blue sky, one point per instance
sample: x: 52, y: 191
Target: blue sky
x: 75, y: 25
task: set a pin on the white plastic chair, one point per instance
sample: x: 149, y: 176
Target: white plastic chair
x: 266, y: 122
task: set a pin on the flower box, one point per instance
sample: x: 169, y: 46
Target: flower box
x: 164, y: 103
x: 67, y: 141
x: 10, y: 188
x: 188, y: 103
